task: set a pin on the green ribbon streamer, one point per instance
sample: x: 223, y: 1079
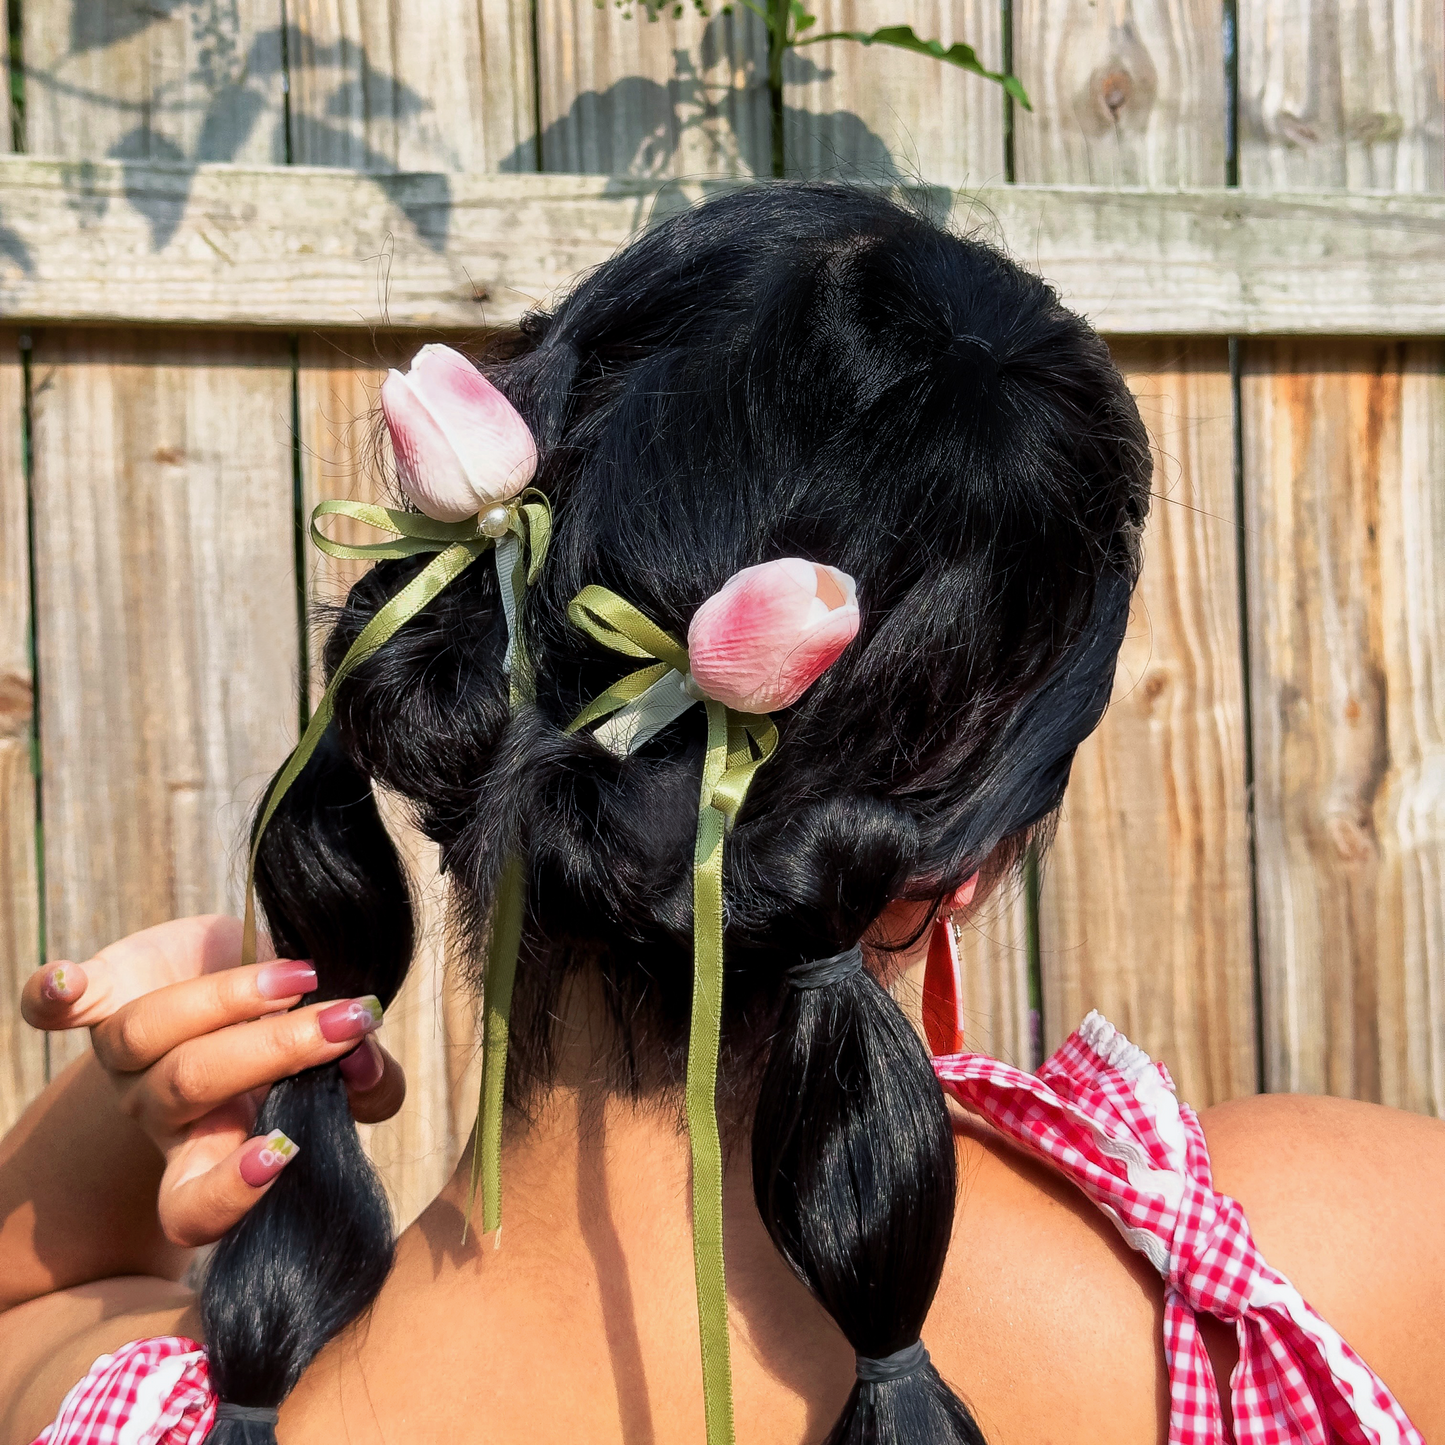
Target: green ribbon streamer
x: 738, y: 744
x: 458, y: 545
x: 503, y: 947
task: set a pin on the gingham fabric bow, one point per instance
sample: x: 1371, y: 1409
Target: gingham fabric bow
x: 1103, y: 1113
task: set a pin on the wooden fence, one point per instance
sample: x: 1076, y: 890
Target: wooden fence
x: 222, y: 217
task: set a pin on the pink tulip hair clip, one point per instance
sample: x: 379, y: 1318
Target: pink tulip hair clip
x: 756, y: 645
x: 462, y: 450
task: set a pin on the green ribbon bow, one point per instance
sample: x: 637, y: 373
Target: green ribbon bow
x: 738, y: 744
x: 519, y: 551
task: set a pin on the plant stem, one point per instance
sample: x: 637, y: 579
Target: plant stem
x: 777, y: 48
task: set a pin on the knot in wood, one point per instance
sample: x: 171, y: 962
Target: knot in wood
x: 1113, y: 90
x: 17, y: 705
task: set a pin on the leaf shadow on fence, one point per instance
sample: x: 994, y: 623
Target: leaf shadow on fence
x: 211, y: 112
x: 341, y: 103
x: 639, y: 126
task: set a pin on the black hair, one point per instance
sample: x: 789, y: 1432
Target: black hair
x: 787, y: 370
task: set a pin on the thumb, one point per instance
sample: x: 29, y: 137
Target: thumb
x: 51, y: 998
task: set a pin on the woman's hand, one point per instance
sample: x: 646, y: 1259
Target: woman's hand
x: 192, y: 1042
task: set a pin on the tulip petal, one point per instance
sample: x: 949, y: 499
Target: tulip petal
x: 761, y: 641
x: 427, y: 465
x: 486, y: 431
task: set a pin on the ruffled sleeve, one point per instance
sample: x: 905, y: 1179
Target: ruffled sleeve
x: 1105, y: 1114
x: 152, y: 1392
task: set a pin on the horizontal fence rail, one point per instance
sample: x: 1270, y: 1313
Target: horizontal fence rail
x: 125, y: 243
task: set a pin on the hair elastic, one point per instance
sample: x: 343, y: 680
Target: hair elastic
x: 901, y: 1363
x: 260, y: 1414
x: 825, y: 972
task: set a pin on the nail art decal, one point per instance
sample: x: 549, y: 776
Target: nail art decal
x: 279, y: 1150
x: 262, y: 1165
x: 350, y: 1019
x: 62, y: 983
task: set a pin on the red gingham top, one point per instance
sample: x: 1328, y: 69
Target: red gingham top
x: 1103, y: 1114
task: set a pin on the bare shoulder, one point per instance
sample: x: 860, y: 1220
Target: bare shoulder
x: 1347, y: 1201
x: 48, y: 1344
x: 1047, y: 1324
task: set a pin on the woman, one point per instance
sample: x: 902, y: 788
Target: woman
x: 793, y: 386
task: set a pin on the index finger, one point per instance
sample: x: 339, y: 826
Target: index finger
x: 134, y: 966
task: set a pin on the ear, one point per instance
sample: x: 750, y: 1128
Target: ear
x: 961, y: 896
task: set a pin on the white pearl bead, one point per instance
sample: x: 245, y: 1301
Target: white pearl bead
x: 495, y: 522
x: 690, y: 687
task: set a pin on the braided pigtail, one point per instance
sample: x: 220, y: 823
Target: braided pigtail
x: 855, y: 1177
x: 315, y: 1250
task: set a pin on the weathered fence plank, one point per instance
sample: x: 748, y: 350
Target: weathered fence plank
x: 1346, y: 716
x: 1145, y: 907
x: 311, y: 247
x: 22, y: 1051
x: 377, y: 92
x: 1346, y: 539
x: 154, y: 83
x: 166, y: 618
x: 1342, y: 93
x: 625, y: 95
x: 1125, y: 92
x: 881, y: 114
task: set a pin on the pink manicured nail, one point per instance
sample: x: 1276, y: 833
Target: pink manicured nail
x: 63, y: 982
x: 285, y: 977
x: 266, y: 1158
x: 350, y: 1019
x: 362, y: 1068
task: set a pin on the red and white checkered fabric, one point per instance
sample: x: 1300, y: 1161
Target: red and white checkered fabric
x: 1104, y: 1114
x: 154, y: 1392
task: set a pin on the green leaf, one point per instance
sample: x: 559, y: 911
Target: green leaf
x: 801, y: 19
x: 902, y: 37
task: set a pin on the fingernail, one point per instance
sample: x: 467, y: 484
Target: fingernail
x: 362, y: 1068
x: 63, y: 982
x: 349, y: 1019
x: 261, y: 1165
x: 285, y: 977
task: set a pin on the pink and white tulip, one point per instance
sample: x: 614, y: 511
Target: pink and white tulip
x: 460, y: 445
x: 762, y: 641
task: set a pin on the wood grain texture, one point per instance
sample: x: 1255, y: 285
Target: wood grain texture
x: 1343, y: 462
x: 877, y: 113
x: 166, y: 618
x: 1342, y: 475
x: 431, y: 1026
x: 1145, y: 908
x: 451, y: 93
x: 623, y: 95
x: 1125, y: 92
x: 194, y: 82
x: 22, y: 1051
x: 1347, y: 93
x: 311, y: 247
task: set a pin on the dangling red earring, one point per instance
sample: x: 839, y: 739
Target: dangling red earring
x: 943, y: 992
